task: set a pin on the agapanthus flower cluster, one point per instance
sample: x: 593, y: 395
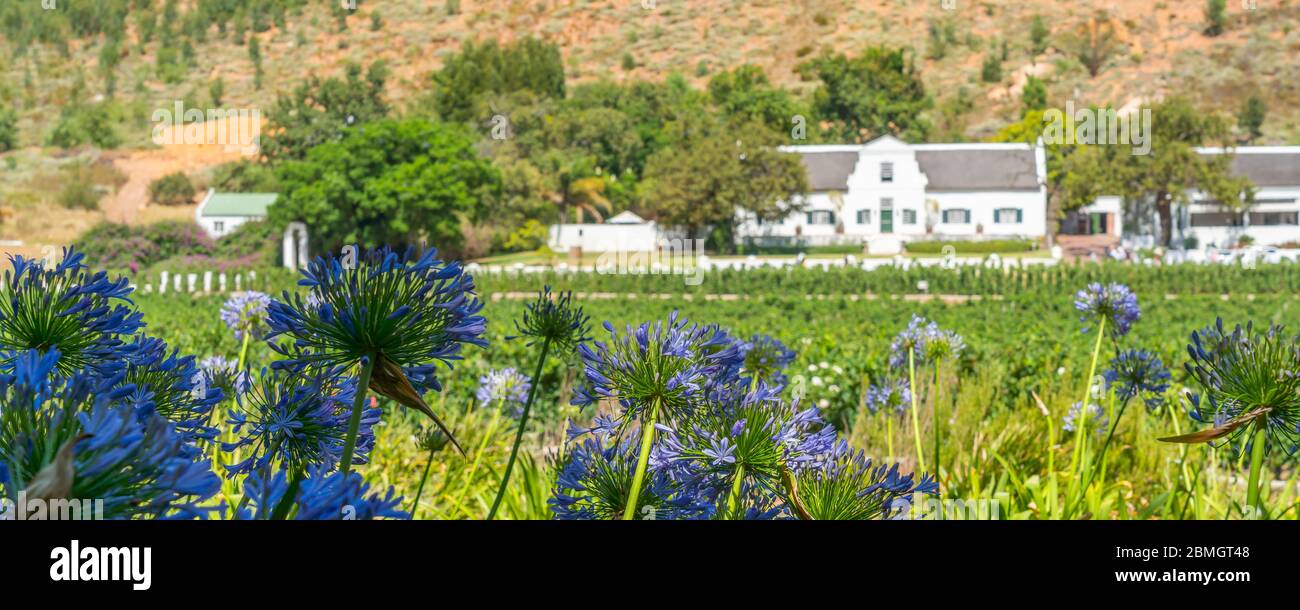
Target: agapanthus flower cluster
x: 1247, y: 376
x: 1135, y: 373
x: 1114, y: 303
x: 664, y: 369
x: 506, y: 386
x: 725, y: 445
x: 851, y: 487
x: 1096, y: 420
x: 395, y: 316
x: 66, y: 307
x: 889, y: 396
x: 245, y: 313
x: 321, y: 495
x: 927, y: 343
x: 225, y: 374
x: 296, y: 419
x: 72, y: 437
x: 765, y: 359
x: 164, y: 382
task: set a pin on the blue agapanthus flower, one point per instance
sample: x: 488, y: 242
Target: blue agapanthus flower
x: 1245, y: 377
x: 890, y: 396
x: 927, y: 343
x: 245, y: 313
x: 166, y: 383
x: 1114, y: 303
x: 507, y: 386
x: 1096, y: 421
x: 66, y: 307
x: 1137, y: 372
x: 849, y: 486
x: 322, y: 495
x: 595, y: 479
x: 397, y: 315
x: 765, y: 359
x: 663, y: 369
x: 295, y: 419
x: 73, y: 437
x: 225, y: 374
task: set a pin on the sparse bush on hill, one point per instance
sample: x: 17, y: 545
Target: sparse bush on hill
x: 84, y: 124
x: 8, y: 129
x: 172, y: 189
x: 1215, y: 17
x: 79, y: 189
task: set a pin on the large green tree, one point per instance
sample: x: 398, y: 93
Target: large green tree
x: 746, y: 96
x: 470, y: 81
x: 393, y: 182
x: 324, y: 110
x: 879, y: 92
x: 701, y: 185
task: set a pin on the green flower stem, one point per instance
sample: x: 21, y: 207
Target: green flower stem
x: 478, y: 455
x: 428, y: 464
x: 889, y: 434
x: 1082, y: 421
x: 519, y: 434
x: 734, y: 497
x: 638, y: 477
x: 1256, y: 465
x: 916, y: 419
x: 937, y: 433
x: 358, y: 406
x: 243, y: 353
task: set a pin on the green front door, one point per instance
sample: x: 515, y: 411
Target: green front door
x: 886, y: 221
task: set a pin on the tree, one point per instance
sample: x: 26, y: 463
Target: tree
x: 8, y: 129
x: 1038, y: 33
x: 322, y: 111
x: 702, y: 185
x: 1034, y: 95
x: 470, y: 79
x: 991, y: 71
x: 1251, y: 117
x: 393, y: 182
x: 1215, y: 19
x: 746, y: 96
x: 1093, y: 42
x: 172, y: 189
x: 879, y: 92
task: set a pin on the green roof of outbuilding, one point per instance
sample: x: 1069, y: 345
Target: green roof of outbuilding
x: 239, y: 204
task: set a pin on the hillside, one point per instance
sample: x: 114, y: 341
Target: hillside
x: 1162, y: 50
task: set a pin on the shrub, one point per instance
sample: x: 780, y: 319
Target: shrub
x: 115, y: 246
x: 989, y: 246
x: 245, y: 177
x: 172, y: 189
x: 84, y: 124
x: 79, y: 189
x: 529, y: 237
x: 8, y: 129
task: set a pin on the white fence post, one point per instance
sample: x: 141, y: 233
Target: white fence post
x: 207, y: 282
x: 221, y: 282
x: 162, y: 285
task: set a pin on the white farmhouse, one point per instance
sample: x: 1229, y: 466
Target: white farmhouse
x: 887, y: 191
x: 220, y: 213
x: 1273, y: 220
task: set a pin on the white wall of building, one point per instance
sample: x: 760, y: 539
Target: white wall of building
x: 217, y: 226
x: 643, y: 237
x: 1269, y: 199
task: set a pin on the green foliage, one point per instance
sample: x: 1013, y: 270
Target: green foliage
x: 472, y: 79
x: 245, y: 176
x: 216, y: 91
x: 396, y: 182
x: 84, y: 124
x: 8, y: 129
x: 173, y: 189
x: 116, y: 246
x: 878, y: 92
x: 1034, y: 95
x: 746, y: 96
x: 528, y: 237
x: 1250, y: 118
x: 324, y: 110
x: 79, y: 188
x: 629, y: 62
x: 991, y: 69
x: 1038, y: 34
x: 983, y: 246
x: 1093, y: 42
x: 1215, y: 17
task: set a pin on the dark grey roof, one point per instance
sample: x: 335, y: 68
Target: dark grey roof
x: 829, y: 171
x: 1268, y: 169
x: 976, y: 169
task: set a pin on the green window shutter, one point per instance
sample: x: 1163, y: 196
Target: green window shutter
x: 1020, y: 215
